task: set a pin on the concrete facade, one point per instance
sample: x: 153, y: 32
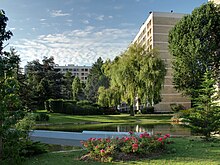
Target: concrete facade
x: 153, y: 34
x: 81, y: 71
x: 215, y: 1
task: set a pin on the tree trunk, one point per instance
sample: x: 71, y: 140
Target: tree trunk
x: 1, y: 143
x: 131, y: 110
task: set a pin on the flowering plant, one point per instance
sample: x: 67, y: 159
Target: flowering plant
x: 106, y: 149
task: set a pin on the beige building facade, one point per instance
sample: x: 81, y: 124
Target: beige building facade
x: 215, y: 1
x: 80, y: 71
x: 153, y: 34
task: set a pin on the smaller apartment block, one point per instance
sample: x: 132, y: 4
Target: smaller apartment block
x: 81, y: 71
x: 153, y: 34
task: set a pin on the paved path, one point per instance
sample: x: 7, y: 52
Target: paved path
x: 70, y: 138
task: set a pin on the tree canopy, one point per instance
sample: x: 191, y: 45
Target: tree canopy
x: 95, y: 79
x: 137, y: 73
x: 194, y: 43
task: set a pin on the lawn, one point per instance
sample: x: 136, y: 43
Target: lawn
x: 188, y: 150
x: 56, y: 118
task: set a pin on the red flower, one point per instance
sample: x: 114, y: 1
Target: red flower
x: 167, y: 135
x: 142, y: 135
x: 160, y: 139
x: 134, y: 147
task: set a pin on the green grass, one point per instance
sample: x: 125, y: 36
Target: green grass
x: 184, y: 151
x: 56, y: 118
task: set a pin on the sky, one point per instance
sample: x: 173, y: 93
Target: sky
x: 80, y: 31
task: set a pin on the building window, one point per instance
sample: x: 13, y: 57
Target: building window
x: 86, y: 70
x: 82, y: 70
x: 82, y: 74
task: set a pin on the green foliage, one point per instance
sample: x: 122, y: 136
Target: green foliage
x: 204, y: 118
x: 82, y: 107
x: 137, y: 73
x: 107, y: 150
x: 176, y: 107
x: 56, y: 105
x: 43, y: 82
x: 95, y: 79
x: 147, y: 110
x: 77, y: 89
x: 109, y: 97
x: 194, y: 45
x: 42, y: 117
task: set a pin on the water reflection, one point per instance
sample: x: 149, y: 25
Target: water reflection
x: 173, y: 129
x: 176, y: 129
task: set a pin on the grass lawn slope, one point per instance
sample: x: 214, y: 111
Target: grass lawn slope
x: 184, y: 151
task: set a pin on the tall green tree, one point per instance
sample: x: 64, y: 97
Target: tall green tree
x: 4, y: 36
x: 194, y: 43
x: 96, y: 79
x: 137, y: 73
x: 11, y: 109
x: 204, y: 117
x: 43, y: 81
x: 77, y: 90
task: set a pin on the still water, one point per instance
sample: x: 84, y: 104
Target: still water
x: 173, y: 129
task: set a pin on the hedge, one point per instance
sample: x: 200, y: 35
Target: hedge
x: 82, y: 107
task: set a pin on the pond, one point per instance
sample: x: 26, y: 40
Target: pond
x: 173, y: 129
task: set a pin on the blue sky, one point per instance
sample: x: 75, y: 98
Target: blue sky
x: 79, y: 31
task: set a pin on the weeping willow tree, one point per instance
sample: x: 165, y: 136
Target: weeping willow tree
x: 137, y: 73
x: 151, y: 76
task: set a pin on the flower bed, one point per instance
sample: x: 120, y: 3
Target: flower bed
x: 125, y: 148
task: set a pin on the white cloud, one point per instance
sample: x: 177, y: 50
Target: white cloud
x: 79, y: 47
x: 42, y: 19
x: 58, y: 13
x: 85, y: 21
x: 100, y: 17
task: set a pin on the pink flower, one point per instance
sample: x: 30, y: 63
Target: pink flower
x: 142, y: 135
x: 102, y: 151
x: 134, y: 147
x: 127, y: 138
x: 108, y: 140
x: 160, y: 139
x: 167, y: 135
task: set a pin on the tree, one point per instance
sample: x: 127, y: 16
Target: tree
x: 95, y: 79
x: 4, y: 36
x: 43, y: 81
x: 67, y: 85
x: 137, y: 73
x: 204, y: 118
x: 77, y: 89
x: 194, y: 43
x: 109, y: 97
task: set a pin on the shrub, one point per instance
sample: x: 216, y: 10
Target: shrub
x: 47, y: 105
x: 147, y: 110
x: 107, y: 149
x: 56, y: 106
x: 41, y: 117
x: 176, y: 107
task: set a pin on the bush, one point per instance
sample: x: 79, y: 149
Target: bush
x: 47, y: 105
x: 147, y: 110
x: 56, y: 106
x: 41, y: 117
x: 176, y: 107
x: 107, y: 150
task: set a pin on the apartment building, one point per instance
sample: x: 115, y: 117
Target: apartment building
x: 153, y: 34
x: 215, y: 1
x: 81, y: 71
